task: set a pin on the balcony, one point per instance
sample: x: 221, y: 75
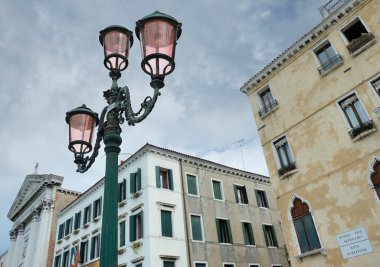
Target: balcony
x: 362, y: 129
x: 285, y: 169
x: 330, y: 65
x: 268, y: 108
x: 359, y: 44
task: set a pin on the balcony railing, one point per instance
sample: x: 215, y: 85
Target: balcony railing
x: 357, y: 43
x: 333, y: 5
x: 365, y: 126
x: 291, y: 166
x: 268, y: 108
x: 337, y: 59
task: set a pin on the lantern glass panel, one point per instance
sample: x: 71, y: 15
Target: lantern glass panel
x: 81, y: 132
x: 159, y: 37
x: 116, y: 43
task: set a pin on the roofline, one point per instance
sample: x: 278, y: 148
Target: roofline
x: 300, y: 44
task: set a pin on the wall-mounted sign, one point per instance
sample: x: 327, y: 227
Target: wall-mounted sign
x: 354, y: 243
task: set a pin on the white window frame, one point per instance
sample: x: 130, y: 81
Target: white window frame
x: 224, y: 263
x: 222, y: 190
x: 270, y: 224
x: 276, y: 156
x: 260, y: 189
x: 202, y: 229
x: 318, y: 46
x: 277, y: 265
x: 256, y: 264
x: 260, y: 100
x: 348, y: 25
x: 245, y: 221
x: 245, y: 187
x: 197, y: 181
x: 342, y: 112
x: 226, y: 219
x: 171, y: 209
x: 204, y: 262
x: 377, y: 76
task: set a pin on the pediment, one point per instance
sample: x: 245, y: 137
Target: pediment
x: 31, y: 188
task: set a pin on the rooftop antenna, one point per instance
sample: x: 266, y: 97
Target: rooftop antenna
x: 241, y: 144
x: 36, y: 168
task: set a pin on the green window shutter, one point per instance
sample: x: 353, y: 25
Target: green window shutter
x: 122, y: 233
x: 133, y: 183
x: 166, y: 223
x: 92, y: 254
x: 158, y: 181
x: 170, y: 174
x: 216, y: 185
x: 60, y: 231
x: 266, y: 235
x: 219, y: 233
x: 236, y: 194
x: 124, y: 189
x: 196, y: 227
x: 81, y: 252
x: 257, y: 198
x: 245, y: 195
x: 250, y: 230
x: 229, y: 233
x: 169, y: 264
x: 141, y: 224
x: 245, y: 234
x: 132, y: 228
x: 191, y: 184
x: 100, y: 206
x: 138, y: 174
x: 266, y: 200
x: 274, y: 236
x: 120, y: 196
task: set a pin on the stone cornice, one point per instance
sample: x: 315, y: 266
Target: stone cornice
x: 311, y: 37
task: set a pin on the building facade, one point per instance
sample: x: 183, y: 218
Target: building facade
x: 316, y: 107
x: 34, y: 215
x: 177, y: 210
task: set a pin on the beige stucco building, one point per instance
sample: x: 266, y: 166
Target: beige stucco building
x: 316, y: 107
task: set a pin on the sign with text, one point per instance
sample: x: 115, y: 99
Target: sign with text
x: 354, y: 243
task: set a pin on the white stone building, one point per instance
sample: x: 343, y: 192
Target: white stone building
x: 163, y: 222
x: 33, y: 214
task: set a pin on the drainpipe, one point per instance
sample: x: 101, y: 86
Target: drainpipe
x: 185, y: 215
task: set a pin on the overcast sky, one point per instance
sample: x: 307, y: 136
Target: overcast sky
x: 51, y: 62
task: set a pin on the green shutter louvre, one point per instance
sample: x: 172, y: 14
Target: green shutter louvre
x: 229, y: 233
x: 166, y: 223
x: 266, y: 235
x: 274, y: 236
x: 138, y: 174
x: 236, y: 194
x: 245, y: 234
x: 132, y: 228
x: 251, y: 233
x: 158, y: 182
x: 219, y: 233
x: 142, y: 224
x: 170, y: 174
x: 217, y: 190
x: 133, y: 183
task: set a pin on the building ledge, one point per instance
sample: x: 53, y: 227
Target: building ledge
x: 288, y: 174
x: 322, y: 251
x: 363, y: 134
x: 264, y: 115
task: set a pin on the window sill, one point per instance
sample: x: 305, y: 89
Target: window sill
x: 269, y: 112
x: 192, y: 195
x: 67, y: 237
x: 97, y: 219
x: 59, y: 241
x: 243, y: 204
x: 288, y: 174
x: 322, y: 251
x: 122, y: 203
x: 363, y: 134
x: 264, y: 208
x: 136, y: 194
x: 331, y: 69
x: 76, y: 231
x: 364, y: 47
x: 226, y: 244
x: 121, y: 251
x: 86, y: 225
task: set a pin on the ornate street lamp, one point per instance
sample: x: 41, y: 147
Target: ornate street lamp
x: 158, y: 34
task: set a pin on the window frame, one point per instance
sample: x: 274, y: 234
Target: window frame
x: 270, y: 240
x: 201, y: 262
x: 241, y: 197
x: 122, y: 196
x: 228, y: 263
x: 277, y: 154
x: 77, y: 220
x: 97, y: 208
x: 371, y: 171
x: 68, y: 226
x: 243, y: 222
x: 348, y: 25
x: 135, y: 181
x: 167, y: 260
x: 94, y: 255
x: 57, y: 260
x: 202, y: 228
x: 227, y: 235
x: 87, y: 215
x: 253, y: 265
x: 319, y: 64
x: 221, y: 189
x: 372, y: 88
x: 261, y: 102
x: 170, y: 211
x: 136, y: 220
x: 85, y: 252
x: 120, y: 236
x: 64, y: 262
x: 257, y: 190
x: 168, y: 175
x: 196, y: 182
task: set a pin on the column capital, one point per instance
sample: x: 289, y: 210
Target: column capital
x: 20, y: 229
x: 13, y: 234
x: 35, y: 215
x: 47, y: 204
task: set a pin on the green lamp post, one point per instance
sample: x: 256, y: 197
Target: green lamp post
x: 158, y: 34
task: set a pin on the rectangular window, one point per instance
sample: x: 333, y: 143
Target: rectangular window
x: 355, y: 115
x: 306, y: 233
x: 261, y: 198
x: 139, y: 265
x: 57, y: 261
x: 123, y: 190
x: 73, y: 255
x: 376, y: 85
x: 196, y: 227
x: 69, y: 226
x: 135, y: 180
x: 95, y: 247
x: 84, y: 251
x: 240, y: 194
x: 200, y: 264
x: 356, y: 35
x: 327, y: 57
x: 164, y: 178
x: 77, y: 219
x: 61, y: 231
x: 270, y: 235
x: 254, y: 265
x: 248, y: 233
x: 228, y: 265
x: 65, y: 259
x: 284, y: 155
x: 217, y: 189
x: 192, y: 185
x: 136, y: 226
x: 223, y: 229
x: 87, y: 214
x: 267, y: 101
x: 169, y: 264
x: 166, y: 223
x: 122, y: 234
x: 97, y: 208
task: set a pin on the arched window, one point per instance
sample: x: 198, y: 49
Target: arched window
x: 303, y: 223
x: 375, y: 178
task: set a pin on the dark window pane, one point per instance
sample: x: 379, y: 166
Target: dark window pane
x: 216, y: 185
x: 192, y: 185
x: 312, y: 233
x: 302, y: 236
x: 196, y: 227
x: 166, y: 223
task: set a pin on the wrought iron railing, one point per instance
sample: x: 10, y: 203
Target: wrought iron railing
x: 355, y: 44
x: 266, y: 109
x: 333, y: 5
x: 331, y: 63
x: 284, y: 169
x: 362, y: 127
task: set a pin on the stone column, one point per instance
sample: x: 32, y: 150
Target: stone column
x: 11, y: 249
x: 43, y: 237
x: 33, y: 243
x: 18, y: 246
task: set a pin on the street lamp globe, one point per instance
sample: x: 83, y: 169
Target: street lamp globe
x: 116, y: 41
x: 158, y: 34
x: 82, y: 122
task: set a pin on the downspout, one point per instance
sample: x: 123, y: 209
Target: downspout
x: 185, y: 215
